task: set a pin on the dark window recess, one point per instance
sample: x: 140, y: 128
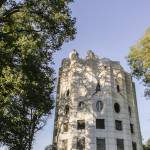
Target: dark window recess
x: 130, y: 112
x: 98, y: 87
x: 134, y: 147
x: 118, y: 88
x: 80, y: 124
x: 81, y: 105
x: 66, y: 109
x: 99, y: 105
x: 68, y: 93
x: 100, y: 144
x: 118, y: 124
x: 66, y: 127
x: 132, y: 128
x: 120, y: 144
x: 64, y: 145
x: 81, y: 143
x: 100, y: 124
x: 117, y: 107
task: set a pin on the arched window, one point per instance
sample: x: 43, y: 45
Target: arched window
x: 117, y: 107
x: 81, y: 105
x: 98, y: 87
x: 99, y: 105
x: 66, y: 109
x: 118, y: 88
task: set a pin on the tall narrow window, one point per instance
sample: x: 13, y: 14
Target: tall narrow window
x: 118, y: 88
x: 120, y: 144
x: 99, y: 105
x: 98, y: 87
x: 66, y: 109
x: 68, y: 93
x: 81, y: 143
x: 134, y: 147
x: 129, y: 108
x: 118, y: 124
x: 117, y: 107
x: 100, y: 142
x: 132, y: 128
x: 80, y: 124
x: 64, y: 145
x: 100, y: 124
x: 65, y: 127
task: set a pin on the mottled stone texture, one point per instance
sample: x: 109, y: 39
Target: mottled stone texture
x: 78, y: 81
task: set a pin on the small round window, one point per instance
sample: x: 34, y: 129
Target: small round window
x: 99, y: 105
x: 117, y: 107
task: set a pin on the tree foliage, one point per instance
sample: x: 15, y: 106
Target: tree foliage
x: 147, y: 145
x: 139, y: 61
x: 30, y: 32
x: 49, y: 147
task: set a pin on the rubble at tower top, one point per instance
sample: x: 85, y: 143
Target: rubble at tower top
x: 90, y: 55
x: 74, y: 55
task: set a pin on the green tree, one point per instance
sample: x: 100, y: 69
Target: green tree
x: 49, y: 147
x: 30, y: 32
x: 139, y: 61
x: 147, y: 145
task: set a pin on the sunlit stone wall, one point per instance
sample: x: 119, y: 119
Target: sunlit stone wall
x: 87, y: 90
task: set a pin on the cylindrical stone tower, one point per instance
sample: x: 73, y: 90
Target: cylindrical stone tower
x: 96, y: 106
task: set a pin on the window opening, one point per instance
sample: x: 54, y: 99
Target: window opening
x: 134, y: 146
x: 98, y: 87
x: 117, y: 107
x: 129, y: 108
x: 118, y: 88
x: 64, y: 144
x: 131, y: 128
x: 120, y: 144
x: 66, y: 109
x: 118, y: 124
x: 81, y: 105
x: 100, y: 144
x: 81, y: 143
x: 100, y: 124
x: 68, y: 93
x: 80, y: 124
x: 99, y: 105
x: 65, y: 127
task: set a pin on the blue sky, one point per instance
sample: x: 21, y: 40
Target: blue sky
x: 109, y: 28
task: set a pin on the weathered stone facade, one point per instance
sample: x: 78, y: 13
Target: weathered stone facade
x: 96, y: 106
